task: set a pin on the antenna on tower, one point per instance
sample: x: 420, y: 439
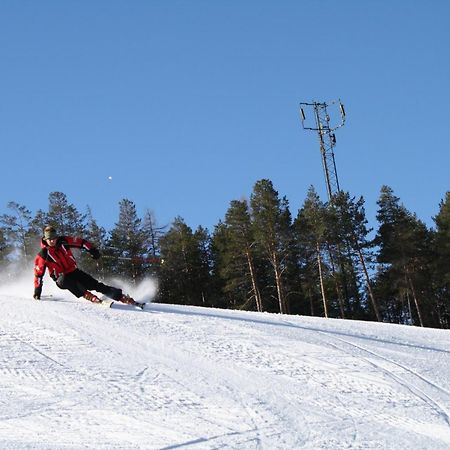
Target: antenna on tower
x: 325, y: 129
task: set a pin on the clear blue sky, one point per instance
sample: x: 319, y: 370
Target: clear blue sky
x: 186, y: 104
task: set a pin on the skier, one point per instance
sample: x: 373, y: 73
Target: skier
x: 57, y: 257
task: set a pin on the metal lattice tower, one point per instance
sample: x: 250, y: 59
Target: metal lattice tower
x: 327, y: 139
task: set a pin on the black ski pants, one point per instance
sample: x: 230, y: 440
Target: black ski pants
x: 78, y: 282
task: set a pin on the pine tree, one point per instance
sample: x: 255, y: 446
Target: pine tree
x: 405, y: 251
x: 94, y: 232
x: 238, y: 267
x: 441, y: 262
x: 442, y: 239
x: 229, y: 295
x: 18, y: 232
x: 339, y: 258
x: 39, y: 222
x: 125, y: 248
x: 273, y: 234
x: 353, y: 236
x: 5, y: 250
x: 96, y: 235
x: 184, y: 274
x: 152, y: 234
x: 310, y: 234
x: 295, y: 298
x: 203, y: 265
x: 64, y: 216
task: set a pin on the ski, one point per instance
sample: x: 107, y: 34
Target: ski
x: 106, y: 303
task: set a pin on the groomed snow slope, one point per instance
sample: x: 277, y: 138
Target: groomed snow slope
x: 74, y: 375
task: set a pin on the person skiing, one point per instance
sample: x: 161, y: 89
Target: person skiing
x: 56, y: 256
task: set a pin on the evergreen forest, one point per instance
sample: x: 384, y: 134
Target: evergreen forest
x: 323, y: 261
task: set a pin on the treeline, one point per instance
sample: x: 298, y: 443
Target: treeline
x: 325, y: 261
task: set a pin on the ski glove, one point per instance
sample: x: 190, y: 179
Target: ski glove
x: 94, y: 253
x: 37, y: 293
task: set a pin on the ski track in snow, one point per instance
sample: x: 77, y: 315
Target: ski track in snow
x: 79, y: 376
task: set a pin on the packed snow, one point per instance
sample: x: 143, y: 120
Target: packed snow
x: 74, y: 375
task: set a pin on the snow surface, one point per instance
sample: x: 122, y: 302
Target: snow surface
x: 74, y: 375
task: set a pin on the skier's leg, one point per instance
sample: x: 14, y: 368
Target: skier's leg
x: 110, y: 291
x: 91, y: 283
x: 71, y: 282
x: 88, y: 282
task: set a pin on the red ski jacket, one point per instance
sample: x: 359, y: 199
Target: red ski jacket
x: 58, y: 259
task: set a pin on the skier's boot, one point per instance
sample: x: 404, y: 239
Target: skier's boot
x: 91, y: 297
x: 127, y: 299
x: 130, y: 301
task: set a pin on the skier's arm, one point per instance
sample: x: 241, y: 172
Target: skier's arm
x: 39, y: 271
x: 78, y: 242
